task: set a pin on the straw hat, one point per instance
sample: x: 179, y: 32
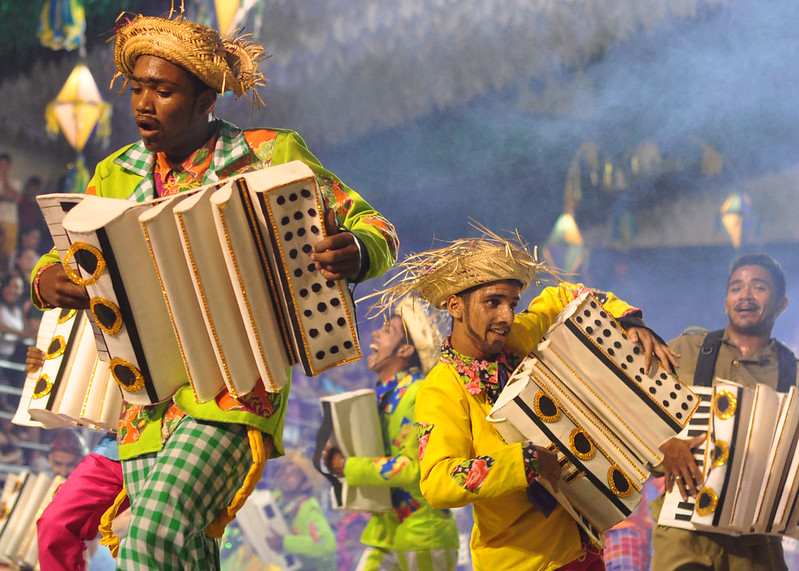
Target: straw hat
x: 229, y: 64
x: 423, y: 325
x: 300, y: 460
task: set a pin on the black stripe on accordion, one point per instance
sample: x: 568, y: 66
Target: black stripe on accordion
x: 281, y: 272
x: 576, y: 462
x: 28, y: 482
x: 622, y: 375
x: 783, y: 479
x: 255, y: 232
x: 127, y: 315
x: 70, y: 341
x: 728, y: 471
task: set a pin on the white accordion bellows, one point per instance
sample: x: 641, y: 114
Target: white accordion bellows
x: 73, y: 387
x: 213, y: 287
x: 260, y: 518
x: 26, y: 496
x: 750, y: 465
x: 584, y: 392
x: 351, y: 423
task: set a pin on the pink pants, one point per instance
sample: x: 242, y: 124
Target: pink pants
x: 73, y: 516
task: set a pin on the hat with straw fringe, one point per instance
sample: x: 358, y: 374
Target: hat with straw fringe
x: 229, y: 64
x: 423, y: 325
x: 463, y: 264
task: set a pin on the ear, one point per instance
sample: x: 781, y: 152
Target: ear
x: 206, y: 101
x: 783, y: 305
x: 406, y: 351
x: 455, y: 307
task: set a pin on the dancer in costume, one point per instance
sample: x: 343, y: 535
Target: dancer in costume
x: 183, y: 461
x: 462, y: 457
x: 414, y: 535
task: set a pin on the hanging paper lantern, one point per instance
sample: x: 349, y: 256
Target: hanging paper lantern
x: 62, y: 24
x: 76, y: 112
x: 565, y: 248
x: 231, y: 13
x: 734, y: 211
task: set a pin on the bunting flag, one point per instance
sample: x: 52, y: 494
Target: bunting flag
x: 735, y: 212
x: 62, y: 24
x: 565, y: 249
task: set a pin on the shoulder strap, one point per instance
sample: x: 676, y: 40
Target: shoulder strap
x: 706, y: 362
x: 787, y: 368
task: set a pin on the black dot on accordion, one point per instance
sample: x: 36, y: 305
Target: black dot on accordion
x: 334, y: 349
x: 311, y: 267
x: 636, y: 349
x: 606, y: 332
x: 328, y: 327
x: 587, y: 313
x: 597, y: 322
x: 629, y: 358
x: 293, y: 196
x: 281, y: 200
x: 105, y: 315
x: 321, y: 306
x: 666, y: 403
x: 603, y: 315
x: 301, y: 233
x: 330, y: 283
x: 664, y: 376
x: 348, y: 344
x: 307, y: 247
x: 335, y: 302
x: 658, y: 382
x: 684, y: 406
x: 285, y: 220
x: 677, y: 387
x: 652, y: 390
x: 320, y: 355
x: 312, y: 212
x: 689, y: 397
x: 41, y: 385
x: 303, y: 292
x: 673, y: 395
x: 314, y: 229
x: 617, y: 344
x: 298, y: 215
x: 611, y: 352
x: 297, y: 272
x: 289, y: 236
x: 624, y: 366
x: 125, y: 375
x: 589, y: 330
x: 293, y: 253
x: 55, y: 346
x: 703, y: 500
x: 620, y: 482
x: 341, y: 322
x: 581, y: 443
x: 599, y: 340
x: 638, y: 378
x: 317, y: 287
x: 593, y: 304
x: 313, y: 332
x: 305, y: 193
x: 547, y: 406
x: 642, y: 371
x: 307, y: 313
x: 86, y: 260
x: 578, y: 319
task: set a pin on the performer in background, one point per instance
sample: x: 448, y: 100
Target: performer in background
x: 414, y: 535
x: 462, y: 457
x: 184, y: 461
x: 743, y: 352
x: 310, y: 536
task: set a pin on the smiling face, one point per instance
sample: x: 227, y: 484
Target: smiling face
x: 481, y: 319
x: 170, y: 108
x: 12, y: 292
x: 752, y: 303
x: 391, y: 352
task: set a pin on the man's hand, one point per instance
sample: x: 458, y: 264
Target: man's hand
x: 34, y: 360
x: 334, y: 461
x: 275, y: 542
x: 679, y: 466
x: 548, y: 467
x: 652, y: 345
x: 337, y: 256
x: 58, y: 290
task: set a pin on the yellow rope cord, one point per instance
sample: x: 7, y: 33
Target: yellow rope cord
x: 108, y: 538
x: 217, y: 527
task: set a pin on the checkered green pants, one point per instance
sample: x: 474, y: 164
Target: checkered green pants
x: 176, y: 492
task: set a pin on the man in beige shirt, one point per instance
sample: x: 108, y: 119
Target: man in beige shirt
x: 744, y: 352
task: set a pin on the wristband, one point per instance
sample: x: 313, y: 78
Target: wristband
x: 35, y: 286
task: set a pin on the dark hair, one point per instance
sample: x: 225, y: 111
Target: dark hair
x: 5, y: 157
x: 414, y: 361
x: 764, y: 261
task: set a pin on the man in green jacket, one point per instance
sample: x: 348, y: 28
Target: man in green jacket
x: 414, y: 535
x: 183, y: 461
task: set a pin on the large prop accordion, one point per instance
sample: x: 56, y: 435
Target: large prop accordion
x: 749, y: 463
x: 213, y: 287
x: 72, y: 388
x: 25, y: 496
x: 260, y: 518
x: 350, y: 422
x: 585, y: 393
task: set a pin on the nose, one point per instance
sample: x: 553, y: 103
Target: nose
x: 141, y: 101
x: 506, y: 313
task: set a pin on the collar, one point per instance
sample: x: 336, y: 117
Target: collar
x: 479, y: 375
x: 230, y: 147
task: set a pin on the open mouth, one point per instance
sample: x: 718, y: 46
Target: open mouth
x: 147, y: 129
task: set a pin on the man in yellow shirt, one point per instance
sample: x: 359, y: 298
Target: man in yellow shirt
x: 463, y: 459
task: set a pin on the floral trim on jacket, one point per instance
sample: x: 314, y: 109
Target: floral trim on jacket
x: 479, y: 375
